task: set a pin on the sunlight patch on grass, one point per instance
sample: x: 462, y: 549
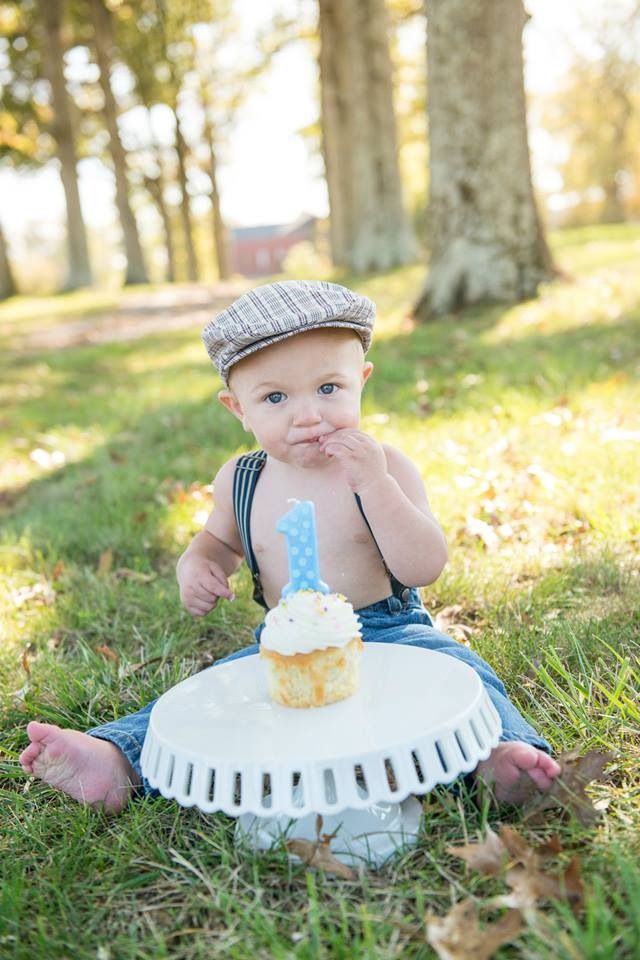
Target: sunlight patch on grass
x: 29, y: 458
x: 600, y: 299
x: 31, y: 312
x: 150, y: 357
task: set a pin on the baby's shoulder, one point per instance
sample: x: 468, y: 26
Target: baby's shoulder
x: 223, y: 482
x: 397, y: 457
x: 224, y: 479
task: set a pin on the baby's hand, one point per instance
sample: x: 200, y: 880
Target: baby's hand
x: 202, y: 583
x: 361, y: 457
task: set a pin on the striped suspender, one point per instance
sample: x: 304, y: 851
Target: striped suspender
x: 245, y: 478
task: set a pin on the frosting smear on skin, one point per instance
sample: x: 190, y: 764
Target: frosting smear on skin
x: 308, y: 620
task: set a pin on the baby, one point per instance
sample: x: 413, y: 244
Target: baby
x: 292, y: 359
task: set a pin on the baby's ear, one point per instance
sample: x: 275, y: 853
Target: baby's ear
x: 229, y: 400
x: 367, y: 370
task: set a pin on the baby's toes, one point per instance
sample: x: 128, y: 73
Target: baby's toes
x: 540, y: 778
x: 30, y: 754
x: 550, y: 766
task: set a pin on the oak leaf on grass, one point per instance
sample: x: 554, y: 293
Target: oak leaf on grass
x: 317, y: 853
x: 459, y: 936
x: 568, y: 789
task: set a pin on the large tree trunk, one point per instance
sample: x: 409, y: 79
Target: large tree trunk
x: 185, y: 208
x: 155, y: 188
x: 136, y: 271
x: 220, y: 240
x: 369, y: 228
x: 79, y: 268
x: 7, y: 283
x: 487, y: 241
x: 612, y: 210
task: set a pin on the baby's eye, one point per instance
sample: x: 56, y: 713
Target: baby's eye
x: 275, y: 397
x: 327, y: 389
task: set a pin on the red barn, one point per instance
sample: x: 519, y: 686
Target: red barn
x: 260, y: 251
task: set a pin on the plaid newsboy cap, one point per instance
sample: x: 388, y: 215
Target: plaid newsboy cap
x: 279, y: 310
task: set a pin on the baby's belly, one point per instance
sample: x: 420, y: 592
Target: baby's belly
x: 361, y: 583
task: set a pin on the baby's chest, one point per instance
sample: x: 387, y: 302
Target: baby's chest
x: 341, y: 530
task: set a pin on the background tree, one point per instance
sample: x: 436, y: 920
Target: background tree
x: 140, y: 46
x: 164, y: 48
x: 7, y: 283
x: 369, y: 228
x: 52, y: 45
x: 36, y: 126
x: 104, y: 44
x: 486, y: 239
x: 595, y: 113
x: 204, y: 59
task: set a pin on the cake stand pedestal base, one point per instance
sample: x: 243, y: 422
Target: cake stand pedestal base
x: 368, y: 837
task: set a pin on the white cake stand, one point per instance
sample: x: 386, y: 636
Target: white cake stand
x: 419, y: 718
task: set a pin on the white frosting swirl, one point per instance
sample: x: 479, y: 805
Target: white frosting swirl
x: 307, y: 620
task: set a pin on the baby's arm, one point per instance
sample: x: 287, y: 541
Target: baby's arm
x: 395, y: 503
x: 213, y: 554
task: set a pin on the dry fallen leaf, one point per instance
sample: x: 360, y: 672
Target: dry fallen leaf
x: 459, y: 936
x: 107, y: 652
x: 487, y: 857
x: 568, y: 789
x: 318, y: 853
x: 448, y: 621
x: 527, y: 872
x: 41, y: 593
x: 25, y: 660
x: 124, y: 573
x: 105, y: 562
x: 531, y: 885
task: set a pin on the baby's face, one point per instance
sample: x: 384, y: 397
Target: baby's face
x: 295, y: 391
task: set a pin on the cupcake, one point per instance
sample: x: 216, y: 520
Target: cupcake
x: 311, y: 646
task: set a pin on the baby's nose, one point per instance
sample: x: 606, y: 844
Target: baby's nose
x: 306, y: 412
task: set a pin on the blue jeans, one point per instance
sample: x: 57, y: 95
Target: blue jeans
x: 388, y: 621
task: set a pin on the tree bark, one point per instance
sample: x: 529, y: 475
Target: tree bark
x: 155, y: 189
x: 7, y: 283
x: 136, y: 271
x: 486, y: 239
x: 220, y: 238
x: 79, y: 267
x: 185, y: 208
x: 368, y: 227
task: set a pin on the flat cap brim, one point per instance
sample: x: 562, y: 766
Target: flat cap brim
x: 275, y: 311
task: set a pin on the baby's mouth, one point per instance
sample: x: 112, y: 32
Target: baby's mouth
x: 310, y: 440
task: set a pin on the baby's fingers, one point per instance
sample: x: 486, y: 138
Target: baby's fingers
x: 200, y: 609
x: 217, y: 584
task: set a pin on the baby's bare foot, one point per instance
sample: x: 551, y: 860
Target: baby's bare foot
x: 93, y: 771
x: 515, y: 769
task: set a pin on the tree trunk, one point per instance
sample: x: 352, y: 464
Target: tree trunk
x: 220, y: 239
x: 486, y: 241
x: 369, y: 228
x: 612, y: 207
x: 155, y: 188
x: 103, y: 34
x: 185, y: 209
x: 7, y: 283
x: 79, y: 267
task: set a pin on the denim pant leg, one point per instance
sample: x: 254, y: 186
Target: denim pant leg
x: 392, y: 621
x: 128, y: 732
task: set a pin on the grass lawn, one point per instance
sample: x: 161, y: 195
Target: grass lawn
x: 524, y: 422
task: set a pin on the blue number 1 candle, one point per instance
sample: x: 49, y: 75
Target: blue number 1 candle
x: 299, y: 527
